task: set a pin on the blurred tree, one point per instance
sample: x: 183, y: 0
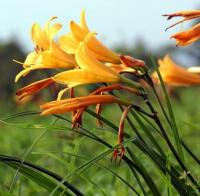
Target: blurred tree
x: 9, y: 69
x: 8, y: 51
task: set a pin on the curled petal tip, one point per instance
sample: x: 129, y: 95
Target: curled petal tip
x: 18, y: 76
x: 168, y: 16
x: 71, y: 22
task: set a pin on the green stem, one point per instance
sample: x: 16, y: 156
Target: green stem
x: 172, y: 118
x: 131, y: 83
x: 157, y: 121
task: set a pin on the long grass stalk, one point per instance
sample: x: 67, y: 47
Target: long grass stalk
x: 159, y: 124
x: 9, y: 159
x: 171, y: 114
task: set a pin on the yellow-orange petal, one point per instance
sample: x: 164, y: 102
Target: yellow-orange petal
x: 39, y: 37
x: 26, y: 71
x: 187, y: 37
x: 176, y: 75
x: 32, y: 59
x: 57, y: 58
x: 102, y: 52
x: 52, y: 30
x: 83, y: 22
x: 61, y: 93
x: 73, y: 78
x: 42, y: 37
x: 86, y: 60
x: 68, y: 43
x: 76, y: 30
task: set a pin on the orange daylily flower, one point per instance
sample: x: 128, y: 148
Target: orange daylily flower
x: 73, y: 104
x: 175, y: 75
x: 188, y: 15
x: 42, y: 37
x: 91, y: 70
x: 187, y: 37
x: 70, y: 42
x: 47, y: 54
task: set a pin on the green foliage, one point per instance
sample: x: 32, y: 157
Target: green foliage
x: 84, y: 160
x: 54, y: 159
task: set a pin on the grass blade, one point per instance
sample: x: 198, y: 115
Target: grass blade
x: 171, y: 114
x: 36, y: 173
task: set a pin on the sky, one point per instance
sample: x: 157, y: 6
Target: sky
x: 115, y: 21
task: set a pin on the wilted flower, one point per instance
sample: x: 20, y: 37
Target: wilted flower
x: 187, y: 15
x: 120, y: 151
x: 33, y: 88
x: 189, y: 36
x: 73, y: 104
x: 133, y: 63
x: 77, y: 118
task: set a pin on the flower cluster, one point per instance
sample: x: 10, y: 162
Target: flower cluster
x: 80, y: 59
x: 83, y: 60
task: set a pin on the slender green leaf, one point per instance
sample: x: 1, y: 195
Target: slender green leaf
x: 36, y: 177
x: 37, y: 174
x: 171, y: 114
